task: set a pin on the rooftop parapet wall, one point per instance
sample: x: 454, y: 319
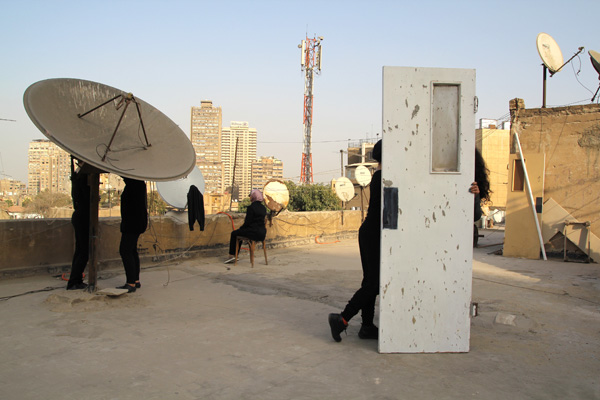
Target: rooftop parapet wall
x: 38, y: 246
x: 570, y: 139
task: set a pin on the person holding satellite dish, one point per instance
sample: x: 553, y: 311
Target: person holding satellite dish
x: 134, y: 221
x: 80, y: 192
x: 369, y: 242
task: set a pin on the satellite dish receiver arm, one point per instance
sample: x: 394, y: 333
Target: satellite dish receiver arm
x: 127, y: 99
x: 568, y: 61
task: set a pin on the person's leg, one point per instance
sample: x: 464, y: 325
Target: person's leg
x: 368, y: 330
x: 233, y: 242
x: 364, y: 298
x: 136, y: 259
x: 80, y: 256
x: 127, y: 250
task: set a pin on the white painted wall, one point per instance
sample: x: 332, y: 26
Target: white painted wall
x: 426, y: 263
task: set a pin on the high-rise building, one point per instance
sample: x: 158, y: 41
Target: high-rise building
x: 206, y: 125
x: 265, y: 168
x: 49, y: 168
x: 238, y: 149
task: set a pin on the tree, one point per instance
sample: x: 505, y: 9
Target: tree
x: 156, y: 205
x: 313, y: 197
x: 9, y: 203
x: 43, y: 203
x: 110, y: 198
x: 244, y: 204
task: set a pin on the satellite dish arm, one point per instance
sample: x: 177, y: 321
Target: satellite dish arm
x: 568, y: 61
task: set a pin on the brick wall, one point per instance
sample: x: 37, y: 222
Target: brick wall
x: 570, y: 139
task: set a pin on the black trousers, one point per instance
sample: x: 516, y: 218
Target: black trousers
x: 250, y: 234
x: 364, y: 298
x: 130, y: 257
x: 82, y: 251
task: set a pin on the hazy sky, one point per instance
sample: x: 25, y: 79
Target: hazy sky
x: 243, y: 56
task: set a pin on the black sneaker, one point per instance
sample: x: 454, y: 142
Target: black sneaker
x: 138, y: 285
x: 368, y: 332
x: 336, y: 322
x: 129, y: 288
x: 77, y: 286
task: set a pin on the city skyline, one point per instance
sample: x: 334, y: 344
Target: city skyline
x: 174, y: 54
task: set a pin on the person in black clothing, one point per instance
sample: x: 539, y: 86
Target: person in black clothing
x: 134, y: 221
x: 80, y: 191
x: 481, y: 189
x: 369, y: 239
x: 254, y: 224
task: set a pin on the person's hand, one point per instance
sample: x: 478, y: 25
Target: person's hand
x: 474, y: 188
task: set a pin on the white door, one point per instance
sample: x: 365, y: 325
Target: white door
x: 427, y: 234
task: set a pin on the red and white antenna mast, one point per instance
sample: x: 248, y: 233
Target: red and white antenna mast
x: 311, y: 64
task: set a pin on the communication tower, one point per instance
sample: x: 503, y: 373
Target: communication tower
x: 311, y: 64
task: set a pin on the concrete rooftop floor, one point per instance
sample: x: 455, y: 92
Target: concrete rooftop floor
x: 197, y: 330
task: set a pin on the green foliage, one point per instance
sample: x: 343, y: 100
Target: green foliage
x: 9, y: 203
x: 314, y: 197
x: 43, y: 203
x: 156, y: 205
x: 110, y: 198
x: 26, y: 202
x: 244, y: 204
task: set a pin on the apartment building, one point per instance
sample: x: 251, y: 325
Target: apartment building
x: 49, y: 168
x: 238, y: 150
x: 264, y: 169
x: 205, y: 135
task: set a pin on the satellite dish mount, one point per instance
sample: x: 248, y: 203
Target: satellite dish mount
x: 124, y: 99
x: 552, y: 58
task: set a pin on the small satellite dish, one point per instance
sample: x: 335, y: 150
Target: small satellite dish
x: 362, y: 175
x: 174, y: 193
x: 595, y: 59
x: 344, y: 189
x: 110, y: 129
x: 549, y: 52
x: 276, y: 194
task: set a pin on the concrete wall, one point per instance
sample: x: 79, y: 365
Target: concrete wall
x: 494, y: 145
x: 570, y: 139
x: 35, y: 246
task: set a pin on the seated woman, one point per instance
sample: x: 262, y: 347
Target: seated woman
x: 254, y: 224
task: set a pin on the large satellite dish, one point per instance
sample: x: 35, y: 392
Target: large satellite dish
x: 595, y: 59
x: 174, y: 193
x: 344, y: 189
x: 110, y: 129
x: 552, y: 58
x: 276, y: 194
x: 549, y: 52
x: 362, y: 175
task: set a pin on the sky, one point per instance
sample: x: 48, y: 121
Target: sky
x: 244, y: 56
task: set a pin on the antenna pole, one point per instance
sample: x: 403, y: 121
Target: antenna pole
x: 94, y: 183
x: 237, y: 140
x: 544, y: 90
x: 311, y: 64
